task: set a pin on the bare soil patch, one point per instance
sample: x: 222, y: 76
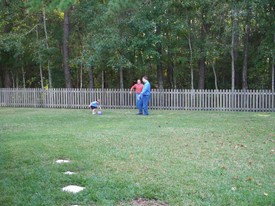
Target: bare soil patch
x: 145, y: 202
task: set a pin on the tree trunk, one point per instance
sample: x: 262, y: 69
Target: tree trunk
x: 23, y: 77
x: 121, y: 83
x: 215, y: 75
x: 47, y: 44
x: 201, y: 61
x: 170, y: 71
x: 170, y: 75
x: 41, y: 75
x: 67, y: 73
x: 91, y: 77
x: 1, y: 77
x: 191, y: 61
x: 81, y: 75
x: 273, y: 73
x: 160, y: 75
x: 189, y: 23
x: 13, y: 81
x: 40, y: 64
x: 233, y: 42
x: 49, y: 74
x: 102, y: 79
x: 273, y: 70
x: 17, y: 80
x: 201, y: 73
x: 7, y: 79
x: 245, y: 58
x: 159, y: 62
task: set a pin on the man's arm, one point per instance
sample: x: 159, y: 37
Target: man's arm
x: 133, y: 87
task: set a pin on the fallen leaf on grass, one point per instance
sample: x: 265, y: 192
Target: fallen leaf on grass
x: 265, y: 194
x: 249, y: 179
x: 239, y: 145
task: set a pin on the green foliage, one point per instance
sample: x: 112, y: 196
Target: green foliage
x: 12, y: 43
x: 136, y: 36
x: 61, y: 5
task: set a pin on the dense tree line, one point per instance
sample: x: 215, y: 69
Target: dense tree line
x: 201, y: 44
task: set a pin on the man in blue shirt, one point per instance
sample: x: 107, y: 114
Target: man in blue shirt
x: 145, y: 96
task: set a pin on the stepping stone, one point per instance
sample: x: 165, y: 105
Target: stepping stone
x: 73, y: 189
x: 62, y: 161
x: 69, y: 173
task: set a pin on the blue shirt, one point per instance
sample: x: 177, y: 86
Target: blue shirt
x: 146, y: 89
x: 94, y: 104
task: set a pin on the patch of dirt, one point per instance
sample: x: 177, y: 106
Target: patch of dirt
x: 144, y: 202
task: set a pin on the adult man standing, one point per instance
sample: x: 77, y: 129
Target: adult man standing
x: 145, y: 96
x: 138, y: 88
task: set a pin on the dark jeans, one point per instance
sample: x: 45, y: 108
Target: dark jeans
x: 144, y: 104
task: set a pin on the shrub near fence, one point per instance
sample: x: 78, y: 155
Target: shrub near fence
x: 221, y: 100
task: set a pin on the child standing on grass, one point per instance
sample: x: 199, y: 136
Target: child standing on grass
x: 94, y: 105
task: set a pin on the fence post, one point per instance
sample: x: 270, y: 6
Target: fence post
x: 272, y: 101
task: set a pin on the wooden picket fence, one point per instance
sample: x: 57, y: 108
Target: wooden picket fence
x: 176, y: 99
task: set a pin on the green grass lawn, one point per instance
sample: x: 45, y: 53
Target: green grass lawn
x: 177, y: 157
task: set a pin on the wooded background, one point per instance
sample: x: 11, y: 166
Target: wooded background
x: 179, y: 44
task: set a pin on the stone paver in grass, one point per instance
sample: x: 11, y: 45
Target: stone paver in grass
x: 62, y: 161
x: 69, y: 173
x: 73, y: 188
